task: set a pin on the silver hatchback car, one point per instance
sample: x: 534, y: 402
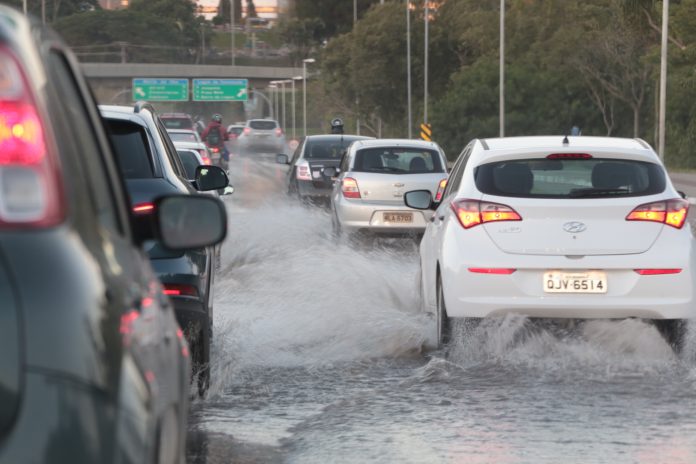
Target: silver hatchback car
x: 371, y: 181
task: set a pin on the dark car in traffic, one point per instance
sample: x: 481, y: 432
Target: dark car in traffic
x: 305, y: 178
x: 151, y: 166
x: 93, y: 366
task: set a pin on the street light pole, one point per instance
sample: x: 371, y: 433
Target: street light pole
x: 425, y: 72
x: 304, y: 91
x: 502, y: 69
x: 232, y: 44
x: 663, y: 80
x: 43, y: 12
x: 24, y: 6
x: 282, y: 89
x: 408, y: 64
x: 294, y: 125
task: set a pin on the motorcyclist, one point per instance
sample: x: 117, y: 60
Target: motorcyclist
x: 215, y: 137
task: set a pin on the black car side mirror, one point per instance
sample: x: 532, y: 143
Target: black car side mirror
x: 189, y: 221
x: 181, y: 222
x: 211, y: 178
x: 419, y: 199
x: 282, y: 159
x: 681, y: 194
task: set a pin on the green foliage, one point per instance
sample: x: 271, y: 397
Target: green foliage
x: 337, y: 15
x: 150, y: 38
x: 301, y: 35
x: 56, y: 9
x: 223, y: 16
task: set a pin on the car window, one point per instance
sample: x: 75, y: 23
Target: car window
x: 455, y: 178
x: 235, y: 130
x: 570, y: 178
x: 177, y: 123
x: 398, y: 160
x: 190, y: 162
x: 90, y: 152
x: 325, y: 149
x: 132, y: 149
x: 183, y: 137
x: 263, y: 125
x: 298, y: 151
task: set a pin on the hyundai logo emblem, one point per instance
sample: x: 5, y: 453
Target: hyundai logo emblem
x: 574, y: 227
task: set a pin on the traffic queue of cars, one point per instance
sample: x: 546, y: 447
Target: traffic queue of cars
x: 562, y: 228
x: 93, y: 364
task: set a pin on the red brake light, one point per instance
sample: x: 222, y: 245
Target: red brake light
x: 569, y: 156
x: 206, y: 161
x: 473, y: 212
x: 279, y: 131
x: 143, y: 208
x: 180, y: 290
x: 671, y: 212
x: 492, y: 270
x: 31, y: 194
x: 215, y: 149
x: 247, y: 131
x: 657, y: 271
x: 440, y: 189
x: 349, y: 188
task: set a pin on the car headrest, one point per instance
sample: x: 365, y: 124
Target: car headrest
x: 611, y: 175
x: 515, y: 178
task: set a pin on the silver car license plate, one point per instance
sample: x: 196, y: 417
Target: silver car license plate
x: 398, y: 218
x: 575, y: 282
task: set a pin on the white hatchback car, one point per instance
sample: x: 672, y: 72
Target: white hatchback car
x: 373, y: 176
x: 554, y: 227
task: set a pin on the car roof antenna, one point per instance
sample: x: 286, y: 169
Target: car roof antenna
x: 565, y: 141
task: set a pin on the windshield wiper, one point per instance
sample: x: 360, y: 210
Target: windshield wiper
x: 593, y: 192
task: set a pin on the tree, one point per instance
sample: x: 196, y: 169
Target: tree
x: 302, y: 35
x: 56, y: 9
x: 223, y: 16
x: 337, y: 15
x: 251, y: 9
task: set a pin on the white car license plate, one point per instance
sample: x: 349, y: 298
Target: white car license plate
x: 398, y: 218
x: 575, y: 282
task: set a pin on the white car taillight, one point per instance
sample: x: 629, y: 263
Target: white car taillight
x: 31, y: 192
x: 278, y: 131
x: 670, y: 212
x: 303, y: 172
x: 474, y: 212
x: 349, y: 188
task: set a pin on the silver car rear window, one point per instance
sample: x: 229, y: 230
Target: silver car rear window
x: 397, y: 160
x: 263, y: 125
x: 570, y: 178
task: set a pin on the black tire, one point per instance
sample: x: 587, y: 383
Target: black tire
x: 200, y: 357
x: 673, y: 331
x: 444, y: 322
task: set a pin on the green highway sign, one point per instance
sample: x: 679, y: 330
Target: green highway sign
x: 161, y: 89
x: 220, y: 89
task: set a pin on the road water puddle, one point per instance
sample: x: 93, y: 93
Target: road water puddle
x: 316, y: 358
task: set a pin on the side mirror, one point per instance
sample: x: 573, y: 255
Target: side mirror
x: 211, y: 178
x: 681, y: 194
x: 282, y: 159
x: 330, y: 172
x: 419, y: 199
x: 190, y: 221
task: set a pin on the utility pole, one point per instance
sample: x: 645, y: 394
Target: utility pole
x: 43, y: 12
x: 408, y: 65
x: 232, y: 44
x: 663, y: 79
x: 425, y: 72
x: 304, y: 90
x: 502, y: 69
x: 357, y: 99
x: 24, y: 6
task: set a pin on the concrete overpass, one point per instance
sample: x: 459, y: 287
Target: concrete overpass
x: 111, y: 82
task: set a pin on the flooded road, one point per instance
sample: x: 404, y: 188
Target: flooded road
x: 316, y: 358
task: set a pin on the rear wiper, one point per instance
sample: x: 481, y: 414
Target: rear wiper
x: 593, y: 192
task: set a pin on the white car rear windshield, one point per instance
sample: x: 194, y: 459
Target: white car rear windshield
x: 397, y: 160
x: 263, y: 125
x: 570, y: 178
